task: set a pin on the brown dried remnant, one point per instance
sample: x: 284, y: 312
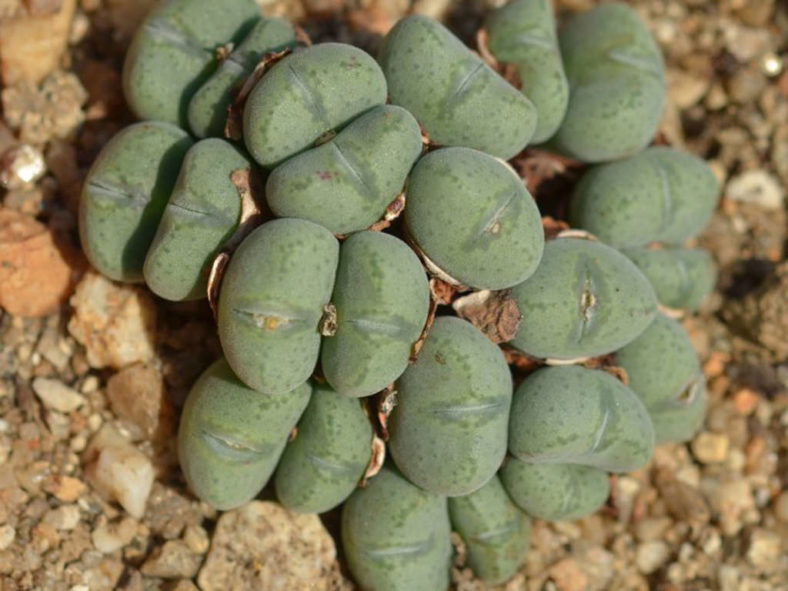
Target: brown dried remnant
x: 537, y: 166
x: 385, y: 402
x: 250, y: 185
x: 495, y: 313
x: 328, y: 321
x: 233, y: 129
x: 393, y: 211
x: 442, y: 292
x: 215, y: 274
x: 508, y: 71
x: 553, y: 227
x: 414, y: 351
x: 376, y: 460
x: 519, y: 360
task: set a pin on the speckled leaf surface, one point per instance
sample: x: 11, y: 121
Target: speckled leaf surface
x: 661, y: 194
x: 496, y: 533
x: 473, y: 217
x: 125, y: 193
x: 347, y: 183
x: 454, y: 95
x: 174, y: 51
x: 585, y: 299
x: 617, y: 84
x: 201, y: 215
x: 574, y: 415
x: 331, y: 450
x: 230, y: 437
x: 272, y: 300
x: 523, y: 33
x: 448, y: 429
x: 396, y: 535
x: 382, y: 298
x: 306, y: 95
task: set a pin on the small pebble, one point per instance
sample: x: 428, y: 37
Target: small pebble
x: 733, y: 502
x: 173, y: 560
x: 56, y: 395
x: 758, y: 187
x: 120, y: 471
x: 65, y: 517
x: 113, y: 536
x: 137, y: 394
x: 652, y: 528
x: 21, y: 166
x: 781, y: 507
x: 651, y: 555
x: 7, y: 535
x: 90, y: 385
x: 764, y: 548
x: 568, y: 575
x: 268, y: 547
x: 711, y: 448
x: 116, y: 323
x: 197, y: 539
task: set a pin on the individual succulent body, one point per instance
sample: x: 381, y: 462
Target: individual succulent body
x: 497, y: 534
x: 272, y: 300
x: 471, y: 215
x: 659, y: 195
x: 174, y: 53
x: 307, y: 95
x: 617, y: 84
x: 382, y: 300
x: 195, y: 224
x: 568, y: 427
x: 573, y: 415
x: 125, y: 194
x: 448, y: 430
x: 396, y: 535
x: 346, y: 183
x: 665, y: 372
x: 584, y: 300
x: 230, y: 437
x: 325, y: 461
x: 523, y: 33
x: 457, y: 98
x: 345, y: 377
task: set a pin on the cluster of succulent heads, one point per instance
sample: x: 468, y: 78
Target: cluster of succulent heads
x: 267, y: 174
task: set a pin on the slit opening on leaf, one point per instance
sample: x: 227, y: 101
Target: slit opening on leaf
x: 230, y: 447
x: 504, y: 530
x: 266, y: 319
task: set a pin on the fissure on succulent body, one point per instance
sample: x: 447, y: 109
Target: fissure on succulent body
x: 331, y: 299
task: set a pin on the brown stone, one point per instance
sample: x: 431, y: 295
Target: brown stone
x: 137, y: 394
x: 263, y: 546
x: 37, y: 272
x: 568, y: 575
x: 31, y: 46
x: 173, y: 560
x: 64, y: 488
x: 116, y: 323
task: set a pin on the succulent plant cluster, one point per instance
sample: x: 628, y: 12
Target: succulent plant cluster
x: 291, y: 158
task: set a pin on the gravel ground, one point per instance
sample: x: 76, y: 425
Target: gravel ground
x: 92, y: 374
